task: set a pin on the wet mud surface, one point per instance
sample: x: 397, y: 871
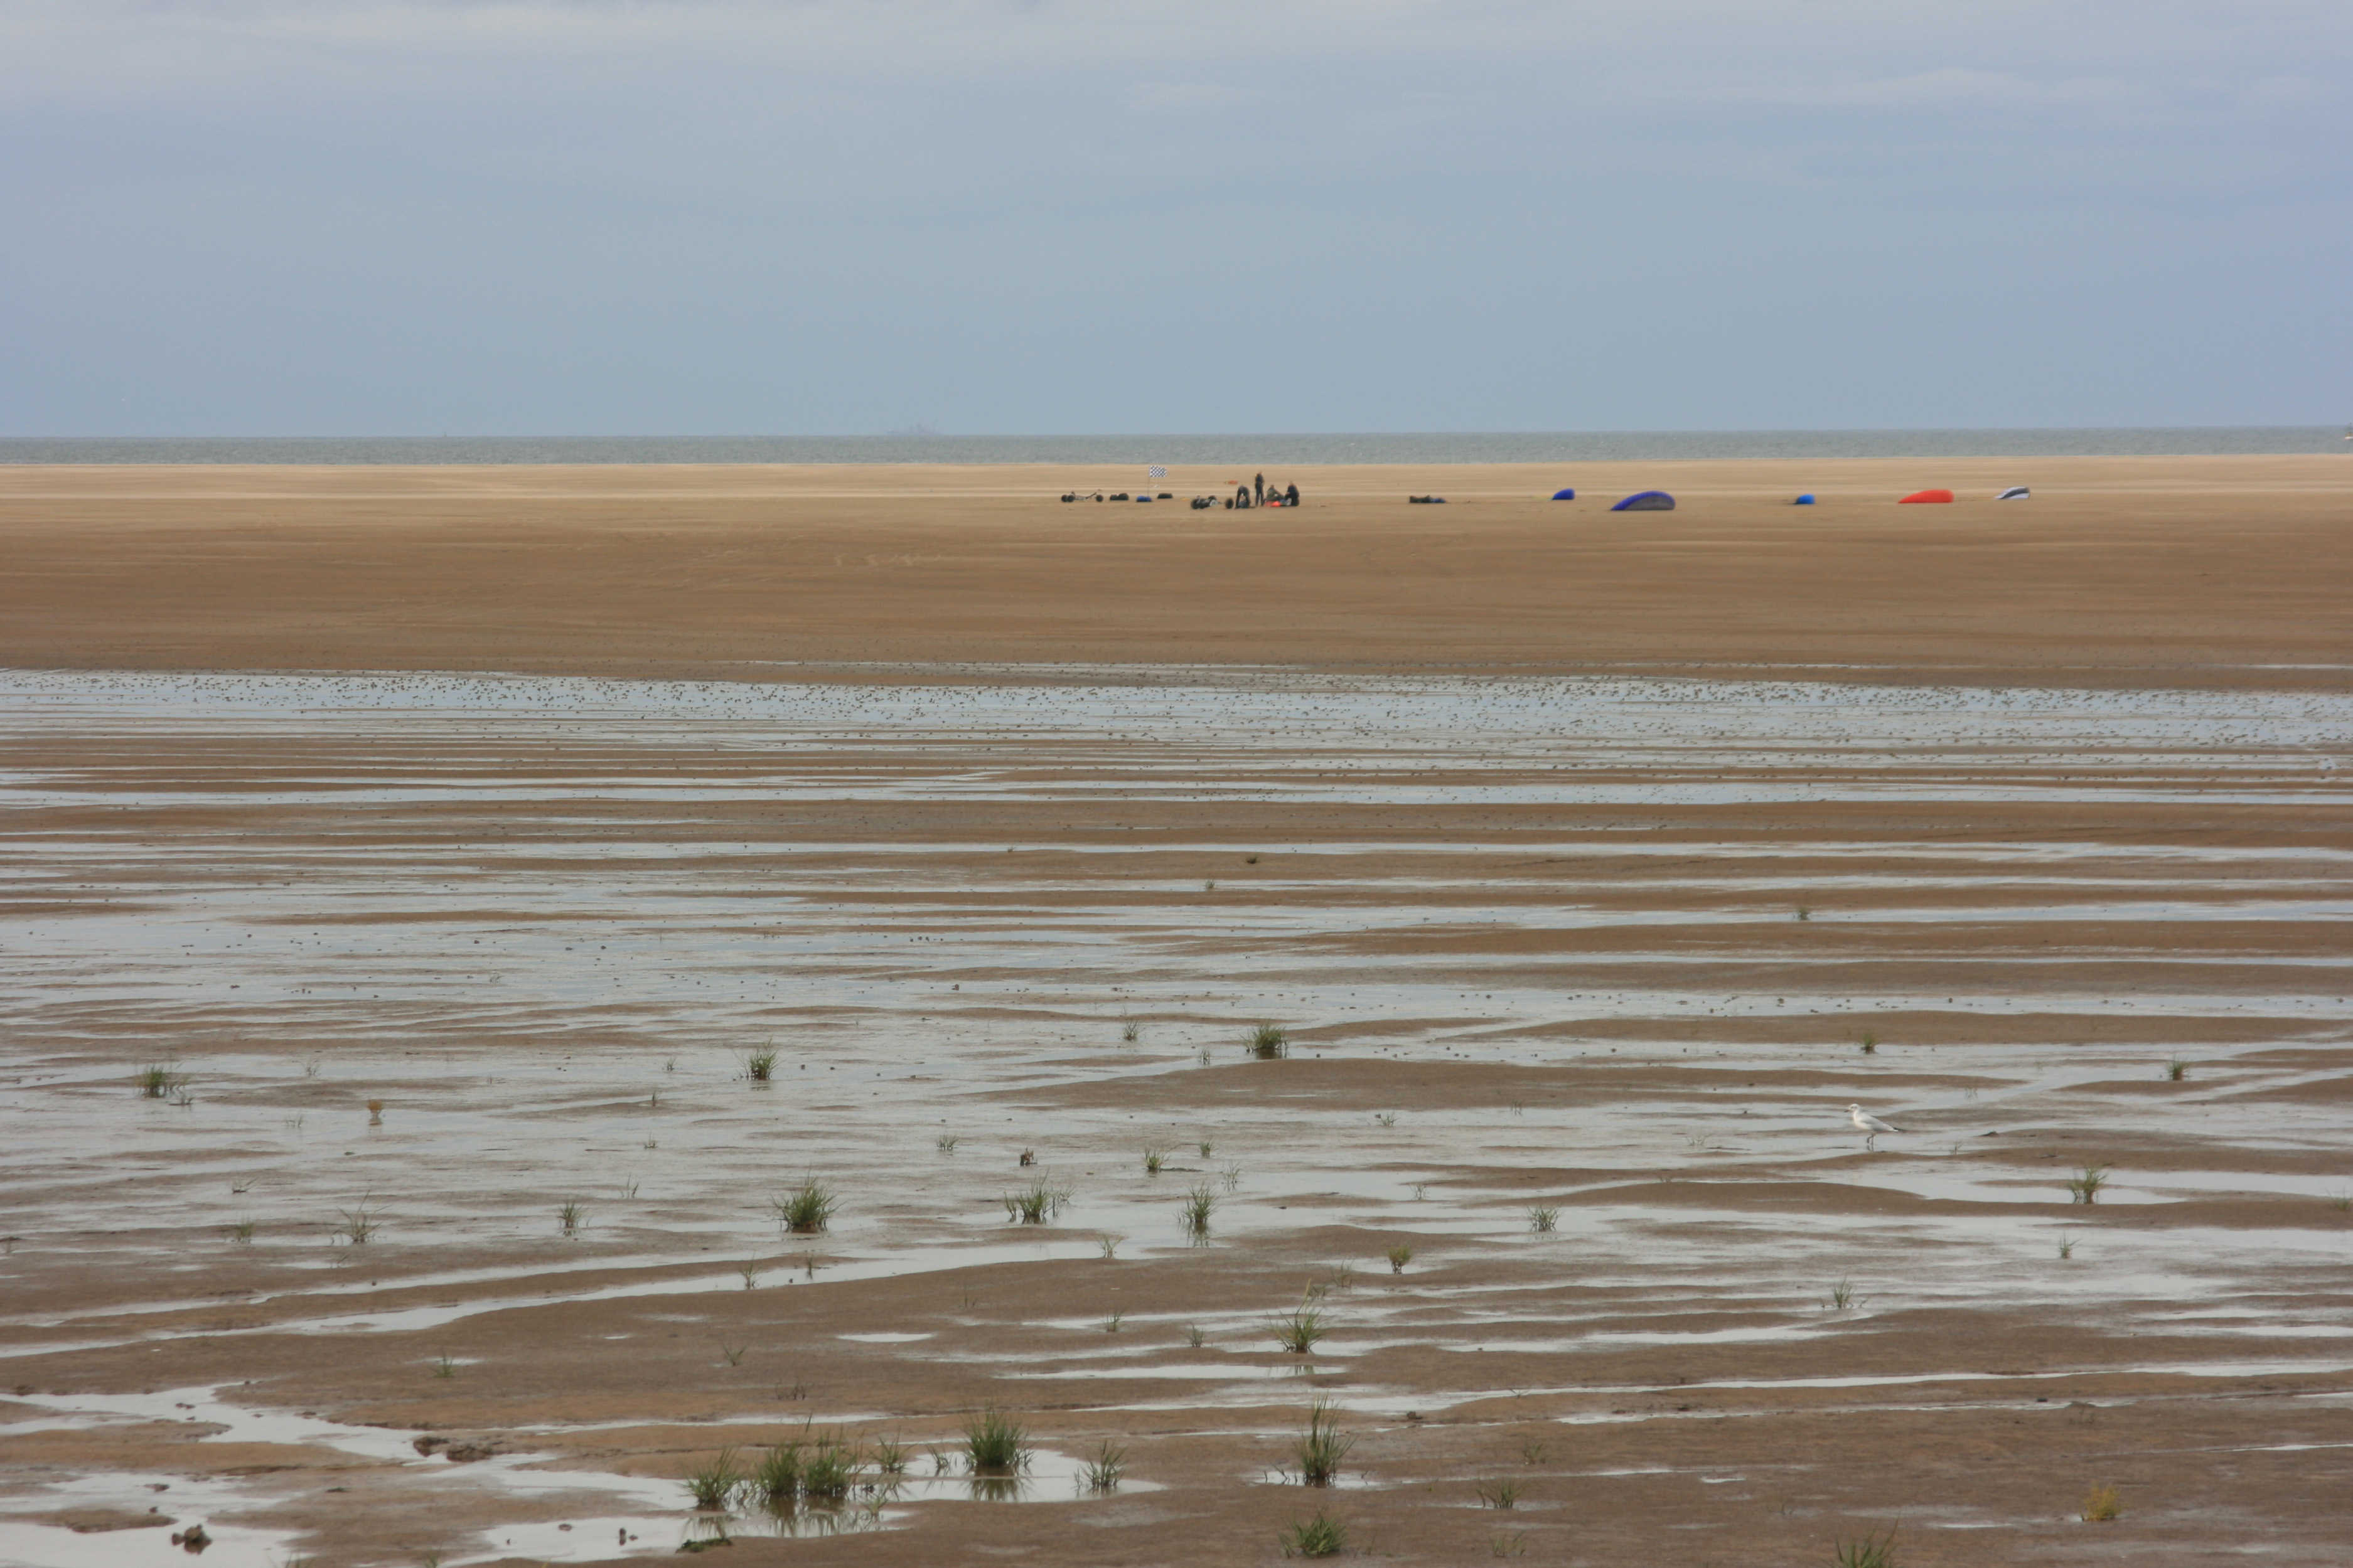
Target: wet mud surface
x: 1578, y: 979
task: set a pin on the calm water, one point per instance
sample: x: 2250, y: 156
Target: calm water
x: 1501, y: 448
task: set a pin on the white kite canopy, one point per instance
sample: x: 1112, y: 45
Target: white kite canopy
x: 2015, y: 492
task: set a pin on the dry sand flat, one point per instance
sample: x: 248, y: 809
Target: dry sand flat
x: 2135, y: 570
x: 1610, y: 945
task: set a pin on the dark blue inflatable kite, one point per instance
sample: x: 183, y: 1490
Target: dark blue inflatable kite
x: 1647, y: 500
x: 1564, y: 495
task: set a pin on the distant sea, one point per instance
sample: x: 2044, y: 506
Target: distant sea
x: 1565, y: 446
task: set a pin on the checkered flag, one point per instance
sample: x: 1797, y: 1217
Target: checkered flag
x: 1156, y: 472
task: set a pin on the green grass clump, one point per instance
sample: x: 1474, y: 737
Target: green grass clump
x: 1153, y: 1161
x: 808, y: 1209
x: 361, y: 1221
x: 2177, y: 1070
x: 993, y: 1443
x: 1102, y: 1473
x: 241, y: 1232
x: 830, y: 1469
x: 1544, y: 1218
x: 889, y: 1456
x: 1322, y: 1447
x: 445, y: 1367
x: 1841, y: 1296
x: 569, y: 1216
x: 760, y: 1067
x: 713, y: 1485
x: 1194, y: 1214
x: 160, y: 1080
x: 1033, y: 1206
x: 1267, y: 1042
x: 1322, y: 1536
x: 2101, y: 1506
x: 1871, y: 1551
x: 2085, y: 1186
x: 1298, y: 1331
x: 777, y: 1479
x: 1400, y: 1255
x: 1499, y: 1494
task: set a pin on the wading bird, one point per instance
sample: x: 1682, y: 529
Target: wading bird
x: 1871, y: 1126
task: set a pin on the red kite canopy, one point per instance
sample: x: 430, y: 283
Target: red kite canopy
x: 1917, y: 496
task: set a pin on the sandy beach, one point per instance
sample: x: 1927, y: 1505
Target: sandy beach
x: 1590, y: 865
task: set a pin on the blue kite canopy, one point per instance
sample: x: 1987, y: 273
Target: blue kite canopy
x: 1564, y: 495
x: 1806, y: 499
x: 1647, y: 500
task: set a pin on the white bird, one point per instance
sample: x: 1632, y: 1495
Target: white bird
x: 1871, y: 1126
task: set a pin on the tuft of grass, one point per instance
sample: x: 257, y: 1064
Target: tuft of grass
x: 1385, y: 1118
x: 808, y: 1209
x: 1298, y: 1331
x: 830, y: 1470
x: 1103, y: 1473
x: 2066, y: 1246
x: 241, y: 1232
x: 1153, y: 1161
x: 1267, y: 1042
x: 733, y: 1355
x: 361, y: 1221
x: 994, y: 1445
x: 1533, y: 1450
x: 1233, y: 1176
x: 1129, y: 1032
x: 1500, y: 1545
x: 2341, y: 1201
x: 889, y: 1456
x: 713, y: 1485
x: 1343, y: 1276
x: 1871, y: 1551
x: 161, y: 1080
x: 1206, y: 1148
x: 1194, y: 1214
x: 1028, y: 1157
x: 1322, y: 1536
x: 444, y: 1367
x: 947, y: 1142
x: 1109, y: 1245
x: 2101, y: 1506
x: 1841, y: 1296
x: 1400, y: 1255
x: 1499, y: 1494
x: 760, y: 1067
x: 1194, y: 1336
x: 569, y: 1215
x: 2085, y: 1186
x: 1544, y: 1218
x: 1210, y: 886
x: 1805, y: 911
x: 751, y: 1273
x: 776, y: 1478
x: 1111, y: 1322
x: 1322, y: 1447
x: 1870, y: 1044
x: 2177, y: 1070
x: 630, y: 1189
x: 1034, y: 1206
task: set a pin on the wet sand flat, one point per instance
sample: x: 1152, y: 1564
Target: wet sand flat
x: 1579, y: 967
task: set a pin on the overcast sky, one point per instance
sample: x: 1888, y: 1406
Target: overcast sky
x: 716, y: 216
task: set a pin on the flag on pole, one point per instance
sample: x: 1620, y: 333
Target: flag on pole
x: 1156, y: 472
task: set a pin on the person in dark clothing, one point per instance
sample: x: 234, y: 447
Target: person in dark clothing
x: 1290, y: 496
x: 1258, y: 489
x: 1242, y: 496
